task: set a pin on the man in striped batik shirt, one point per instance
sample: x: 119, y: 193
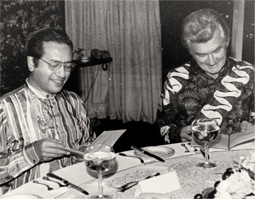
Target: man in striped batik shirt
x: 39, y: 119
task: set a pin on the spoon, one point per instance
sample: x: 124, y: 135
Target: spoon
x: 131, y: 156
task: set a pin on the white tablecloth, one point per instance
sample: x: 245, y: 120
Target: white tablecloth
x: 128, y: 169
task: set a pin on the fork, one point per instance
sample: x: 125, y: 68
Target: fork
x: 48, y: 187
x: 186, y: 148
x: 59, y: 184
x: 131, y: 184
x: 195, y: 149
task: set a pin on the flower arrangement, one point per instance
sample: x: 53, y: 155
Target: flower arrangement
x: 235, y: 184
x: 238, y: 185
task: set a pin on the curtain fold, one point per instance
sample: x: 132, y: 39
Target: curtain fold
x: 130, y: 30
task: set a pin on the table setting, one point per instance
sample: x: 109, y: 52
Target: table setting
x: 167, y: 171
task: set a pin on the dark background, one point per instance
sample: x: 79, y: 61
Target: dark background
x: 19, y: 18
x: 173, y: 12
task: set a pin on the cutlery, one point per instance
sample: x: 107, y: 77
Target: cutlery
x: 48, y: 187
x: 59, y: 184
x: 75, y: 152
x: 195, y: 149
x: 52, y: 175
x: 147, y: 153
x: 131, y: 184
x: 131, y: 156
x: 186, y: 149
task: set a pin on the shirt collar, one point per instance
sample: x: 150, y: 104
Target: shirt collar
x: 196, y: 69
x: 39, y: 93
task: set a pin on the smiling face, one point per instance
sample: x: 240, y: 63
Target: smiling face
x: 211, y: 55
x: 42, y: 77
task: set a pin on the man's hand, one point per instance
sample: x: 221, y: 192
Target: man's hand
x: 49, y: 149
x: 245, y: 125
x: 186, y: 133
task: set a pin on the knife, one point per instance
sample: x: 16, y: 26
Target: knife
x: 52, y: 175
x: 147, y: 153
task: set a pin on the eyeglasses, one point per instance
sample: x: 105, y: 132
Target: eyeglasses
x: 54, y: 66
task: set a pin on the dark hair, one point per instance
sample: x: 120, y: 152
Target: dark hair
x: 200, y: 26
x: 35, y: 41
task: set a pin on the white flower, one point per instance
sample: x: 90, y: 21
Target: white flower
x: 223, y: 195
x: 237, y: 186
x: 248, y: 162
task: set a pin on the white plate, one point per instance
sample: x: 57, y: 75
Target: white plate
x: 161, y: 151
x: 22, y: 196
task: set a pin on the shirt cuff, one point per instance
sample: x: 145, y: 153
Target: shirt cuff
x: 174, y: 133
x: 164, y: 131
x: 30, y: 155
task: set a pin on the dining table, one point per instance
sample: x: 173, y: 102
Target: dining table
x: 180, y: 158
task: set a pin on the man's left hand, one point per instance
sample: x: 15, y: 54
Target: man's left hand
x: 245, y: 125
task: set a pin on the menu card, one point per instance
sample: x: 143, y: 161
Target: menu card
x: 109, y: 137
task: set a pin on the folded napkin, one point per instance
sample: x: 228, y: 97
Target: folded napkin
x: 162, y: 184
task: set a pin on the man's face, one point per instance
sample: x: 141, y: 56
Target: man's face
x: 45, y: 79
x: 210, y: 56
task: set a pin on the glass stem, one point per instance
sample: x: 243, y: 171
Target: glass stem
x: 100, y: 187
x: 206, y: 153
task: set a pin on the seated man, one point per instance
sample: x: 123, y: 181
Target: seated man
x: 211, y: 85
x: 39, y: 119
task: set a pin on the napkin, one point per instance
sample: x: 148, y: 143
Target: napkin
x: 22, y: 196
x: 154, y: 196
x: 162, y: 184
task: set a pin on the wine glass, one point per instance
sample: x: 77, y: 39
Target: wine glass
x: 100, y: 158
x: 204, y: 132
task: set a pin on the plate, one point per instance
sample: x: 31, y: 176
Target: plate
x: 22, y: 196
x: 161, y: 151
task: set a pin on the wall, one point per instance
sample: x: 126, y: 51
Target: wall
x: 248, y: 36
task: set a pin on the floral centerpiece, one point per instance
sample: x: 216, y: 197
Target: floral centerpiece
x: 235, y: 184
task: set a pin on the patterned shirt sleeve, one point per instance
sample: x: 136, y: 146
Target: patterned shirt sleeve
x: 24, y: 119
x: 168, y: 118
x: 14, y: 161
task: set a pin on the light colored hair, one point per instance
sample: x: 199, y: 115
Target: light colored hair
x: 200, y: 26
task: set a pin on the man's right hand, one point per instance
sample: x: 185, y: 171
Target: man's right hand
x: 49, y: 149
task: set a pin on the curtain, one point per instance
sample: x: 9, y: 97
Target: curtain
x: 130, y: 30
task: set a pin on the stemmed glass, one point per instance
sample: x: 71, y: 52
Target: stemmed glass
x: 204, y: 132
x: 100, y: 158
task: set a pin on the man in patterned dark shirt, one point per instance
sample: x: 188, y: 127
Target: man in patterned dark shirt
x: 211, y: 85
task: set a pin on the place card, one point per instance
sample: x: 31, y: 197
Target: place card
x: 162, y: 184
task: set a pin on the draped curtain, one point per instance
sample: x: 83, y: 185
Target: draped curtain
x: 130, y: 30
